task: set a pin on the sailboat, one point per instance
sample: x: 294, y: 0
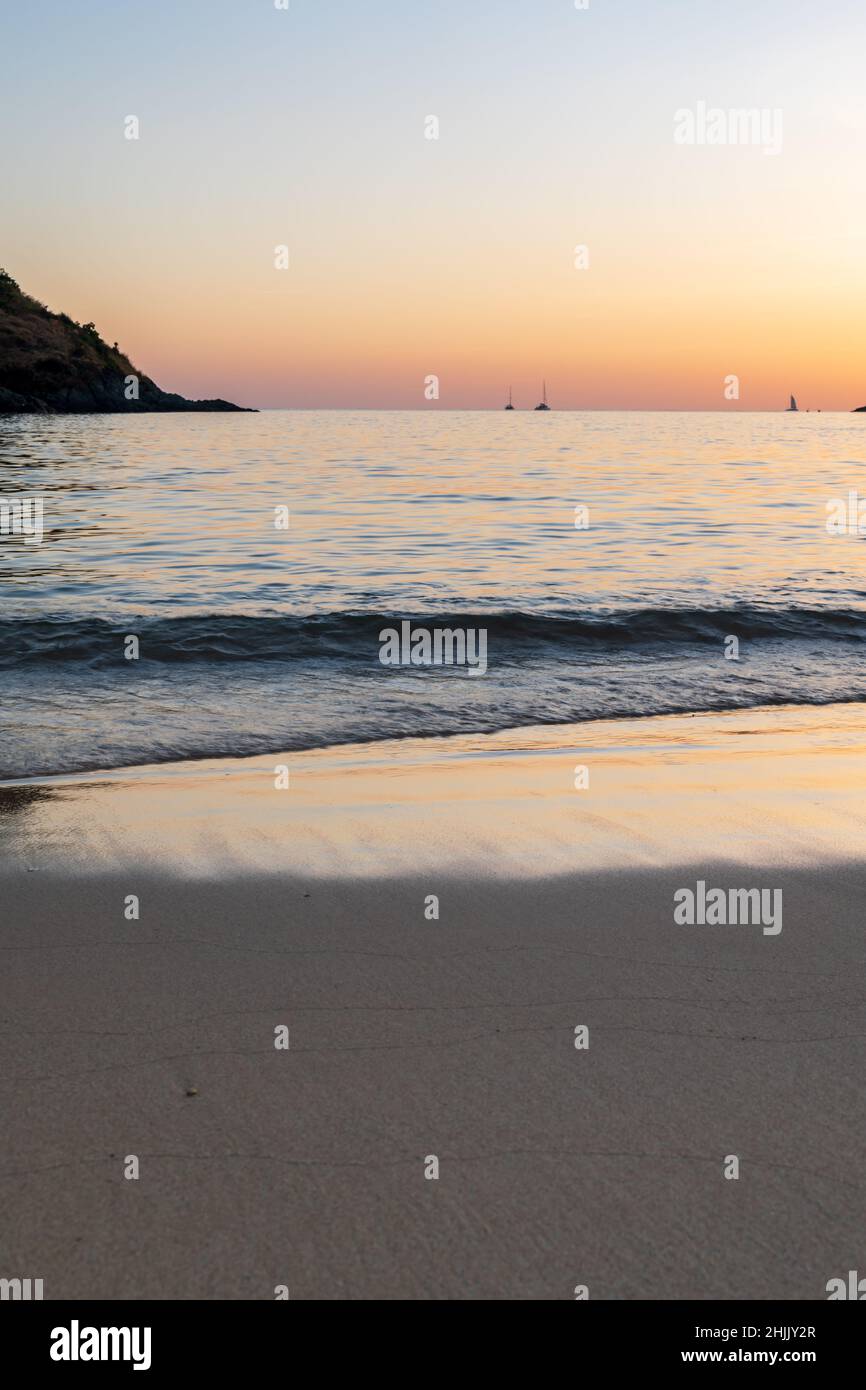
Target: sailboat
x: 542, y: 405
x: 509, y: 405
x: 792, y: 406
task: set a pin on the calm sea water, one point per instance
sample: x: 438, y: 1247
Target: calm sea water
x: 701, y: 526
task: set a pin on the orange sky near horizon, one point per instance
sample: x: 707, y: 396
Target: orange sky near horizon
x: 452, y: 257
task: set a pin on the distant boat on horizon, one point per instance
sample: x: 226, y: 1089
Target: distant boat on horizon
x: 542, y: 405
x: 509, y: 405
x: 792, y: 406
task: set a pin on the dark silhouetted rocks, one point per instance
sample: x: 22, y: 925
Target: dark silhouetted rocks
x: 51, y: 365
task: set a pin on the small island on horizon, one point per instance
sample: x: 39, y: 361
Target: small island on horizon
x: 51, y: 365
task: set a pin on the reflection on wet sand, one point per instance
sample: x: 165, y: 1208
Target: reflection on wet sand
x: 780, y: 785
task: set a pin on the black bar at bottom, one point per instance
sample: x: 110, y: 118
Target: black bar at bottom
x: 161, y: 1338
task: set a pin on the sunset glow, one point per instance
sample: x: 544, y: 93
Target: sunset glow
x: 454, y: 256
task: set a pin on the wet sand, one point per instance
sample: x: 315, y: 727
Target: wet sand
x: 412, y: 1037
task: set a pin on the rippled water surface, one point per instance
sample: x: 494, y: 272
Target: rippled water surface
x: 700, y: 526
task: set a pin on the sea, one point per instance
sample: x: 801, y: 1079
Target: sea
x: 620, y: 564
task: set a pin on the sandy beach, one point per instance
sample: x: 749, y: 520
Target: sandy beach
x: 432, y: 672
x: 413, y: 1036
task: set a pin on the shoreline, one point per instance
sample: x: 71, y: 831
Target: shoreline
x: 138, y: 770
x: 779, y: 784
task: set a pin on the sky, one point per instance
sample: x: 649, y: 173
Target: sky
x: 454, y: 258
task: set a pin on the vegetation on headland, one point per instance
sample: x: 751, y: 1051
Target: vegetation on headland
x: 49, y: 364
